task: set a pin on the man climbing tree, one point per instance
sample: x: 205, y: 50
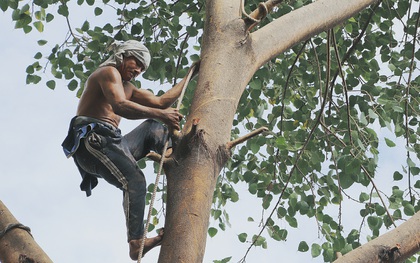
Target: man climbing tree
x: 96, y: 143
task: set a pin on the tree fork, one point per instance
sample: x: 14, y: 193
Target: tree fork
x: 17, y: 244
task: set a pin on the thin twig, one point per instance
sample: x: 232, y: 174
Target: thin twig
x: 343, y: 79
x: 353, y: 46
x: 287, y: 84
x: 407, y: 106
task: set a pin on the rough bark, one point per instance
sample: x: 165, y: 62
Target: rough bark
x: 17, y: 245
x: 395, y: 246
x: 230, y: 56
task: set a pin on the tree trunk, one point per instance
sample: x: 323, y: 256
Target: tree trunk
x: 17, y: 245
x: 230, y: 56
x: 395, y: 246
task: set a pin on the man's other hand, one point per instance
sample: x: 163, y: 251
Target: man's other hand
x: 172, y: 118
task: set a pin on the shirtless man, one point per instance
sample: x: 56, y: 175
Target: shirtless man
x: 97, y: 146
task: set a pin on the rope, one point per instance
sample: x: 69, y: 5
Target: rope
x: 10, y: 227
x: 152, y: 200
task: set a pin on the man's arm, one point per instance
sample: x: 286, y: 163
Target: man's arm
x: 147, y: 98
x: 112, y: 87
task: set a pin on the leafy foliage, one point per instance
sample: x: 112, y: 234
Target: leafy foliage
x: 327, y: 103
x: 169, y: 31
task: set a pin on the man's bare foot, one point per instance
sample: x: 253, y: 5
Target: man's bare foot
x: 149, y: 243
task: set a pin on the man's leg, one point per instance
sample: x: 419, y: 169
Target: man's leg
x: 149, y: 243
x: 148, y: 136
x: 112, y: 161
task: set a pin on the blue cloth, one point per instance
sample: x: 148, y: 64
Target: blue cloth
x: 70, y: 145
x: 72, y: 141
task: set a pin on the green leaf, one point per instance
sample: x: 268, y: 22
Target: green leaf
x: 72, y: 84
x: 303, y: 246
x: 398, y: 176
x: 39, y: 26
x: 292, y: 221
x: 51, y: 84
x: 63, y: 10
x: 49, y: 18
x: 410, y: 163
x: 194, y: 58
x: 328, y: 255
x: 363, y: 197
x: 98, y: 11
x: 253, y: 188
x: 374, y: 222
x: 389, y: 143
x: 259, y: 241
x: 38, y: 55
x: 409, y: 209
x: 346, y: 180
x: 242, y: 237
x: 212, y: 231
x: 315, y: 250
x: 40, y: 15
x: 27, y: 29
x: 85, y: 27
x: 4, y: 5
x: 267, y: 200
x: 281, y: 212
x: 192, y: 31
x: 281, y: 143
x: 225, y: 260
x: 42, y: 42
x: 30, y: 69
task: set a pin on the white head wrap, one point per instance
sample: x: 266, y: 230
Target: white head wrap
x: 130, y: 48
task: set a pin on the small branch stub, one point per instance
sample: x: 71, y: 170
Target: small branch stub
x: 389, y: 254
x: 233, y: 143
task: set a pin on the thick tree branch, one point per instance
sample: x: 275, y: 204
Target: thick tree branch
x: 16, y: 243
x: 394, y: 246
x: 302, y: 23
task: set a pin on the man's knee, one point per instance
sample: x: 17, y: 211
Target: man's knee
x: 155, y: 125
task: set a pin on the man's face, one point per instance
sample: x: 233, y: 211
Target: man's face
x: 131, y: 68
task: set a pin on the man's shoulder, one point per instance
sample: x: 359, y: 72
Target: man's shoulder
x: 105, y: 73
x: 106, y: 70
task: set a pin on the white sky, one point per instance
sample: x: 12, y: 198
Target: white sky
x: 41, y: 187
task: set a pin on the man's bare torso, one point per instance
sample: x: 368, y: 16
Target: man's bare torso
x: 94, y: 104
